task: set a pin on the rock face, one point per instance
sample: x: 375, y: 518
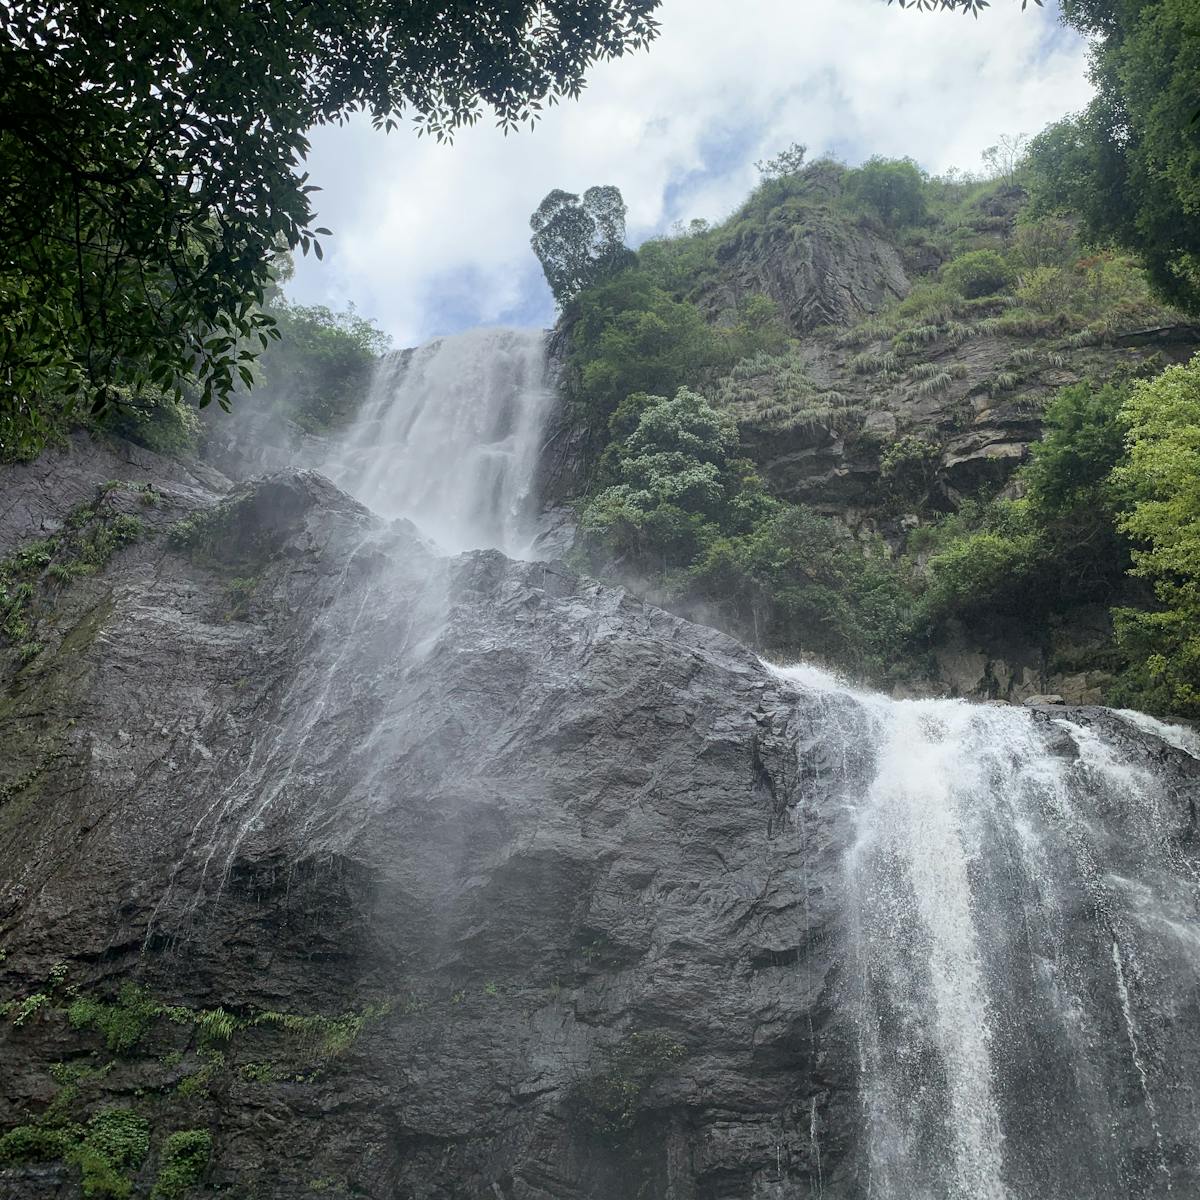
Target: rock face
x: 578, y: 832
x: 449, y: 878
x: 824, y: 272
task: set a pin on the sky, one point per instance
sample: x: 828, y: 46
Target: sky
x: 430, y: 239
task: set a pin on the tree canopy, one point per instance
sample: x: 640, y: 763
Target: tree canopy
x: 973, y: 7
x: 150, y: 163
x: 1161, y: 476
x: 579, y: 242
x: 1129, y: 164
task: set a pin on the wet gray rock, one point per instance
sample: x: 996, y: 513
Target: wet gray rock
x: 36, y: 496
x: 533, y: 814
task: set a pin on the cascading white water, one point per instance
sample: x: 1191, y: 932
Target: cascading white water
x: 998, y: 865
x: 449, y: 437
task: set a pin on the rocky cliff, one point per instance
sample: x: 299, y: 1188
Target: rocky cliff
x: 334, y: 868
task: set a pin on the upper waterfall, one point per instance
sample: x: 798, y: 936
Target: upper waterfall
x: 449, y: 437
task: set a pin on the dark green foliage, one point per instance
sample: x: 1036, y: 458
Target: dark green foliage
x: 632, y: 336
x: 672, y: 465
x: 34, y: 1143
x: 978, y: 273
x: 685, y: 508
x: 121, y: 1023
x: 972, y: 7
x: 155, y: 419
x: 1083, y: 440
x: 114, y: 1145
x: 579, y: 242
x: 185, y: 1156
x: 107, y: 1151
x: 892, y: 188
x: 1129, y: 164
x: 796, y: 582
x: 1160, y: 480
x: 611, y: 1100
x: 909, y: 467
x: 997, y: 568
x: 150, y: 165
x: 1057, y: 547
x: 319, y: 370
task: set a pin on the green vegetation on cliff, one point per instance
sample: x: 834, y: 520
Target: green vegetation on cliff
x: 1160, y: 479
x: 1129, y: 164
x: 711, y: 410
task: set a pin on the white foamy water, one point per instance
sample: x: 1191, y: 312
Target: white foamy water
x: 449, y: 438
x: 1182, y: 737
x: 1000, y: 867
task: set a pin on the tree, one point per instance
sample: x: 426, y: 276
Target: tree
x: 893, y: 187
x: 786, y: 162
x: 578, y: 242
x: 319, y: 369
x: 1161, y: 476
x: 973, y: 7
x: 1005, y: 158
x: 632, y: 336
x: 672, y: 468
x: 1129, y: 164
x: 151, y: 153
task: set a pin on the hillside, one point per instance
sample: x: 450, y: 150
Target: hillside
x: 890, y: 348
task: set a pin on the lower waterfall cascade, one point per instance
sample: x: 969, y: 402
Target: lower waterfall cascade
x: 985, y: 844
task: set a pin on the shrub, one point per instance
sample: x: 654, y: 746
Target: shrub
x: 1046, y: 242
x: 631, y: 336
x: 983, y: 572
x: 674, y: 479
x: 909, y: 465
x: 185, y: 1156
x: 892, y: 188
x: 1082, y: 441
x: 611, y: 1099
x: 156, y: 420
x: 122, y: 1023
x: 1048, y: 289
x: 116, y: 1143
x: 978, y: 273
x: 797, y: 582
x: 319, y: 371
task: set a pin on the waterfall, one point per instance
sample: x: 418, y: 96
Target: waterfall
x: 449, y: 437
x: 1026, y: 951
x: 1018, y: 975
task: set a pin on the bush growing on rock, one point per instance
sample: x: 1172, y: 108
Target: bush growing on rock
x: 978, y: 273
x: 892, y: 188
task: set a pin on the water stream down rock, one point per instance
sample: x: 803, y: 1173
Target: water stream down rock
x: 626, y: 912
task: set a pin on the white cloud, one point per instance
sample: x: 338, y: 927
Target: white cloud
x: 432, y: 238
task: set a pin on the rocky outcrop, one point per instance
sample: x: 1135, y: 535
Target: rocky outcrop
x: 821, y: 271
x: 566, y: 873
x: 35, y: 497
